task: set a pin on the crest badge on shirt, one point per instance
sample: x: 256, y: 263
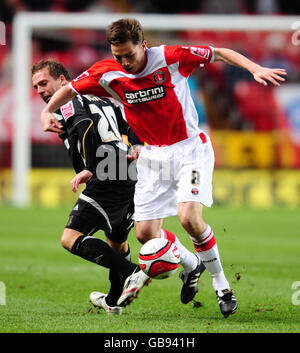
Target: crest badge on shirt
x: 195, y: 191
x: 159, y: 77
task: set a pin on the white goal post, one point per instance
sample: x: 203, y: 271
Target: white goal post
x: 25, y: 23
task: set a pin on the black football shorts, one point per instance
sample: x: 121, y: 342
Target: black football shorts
x: 110, y: 209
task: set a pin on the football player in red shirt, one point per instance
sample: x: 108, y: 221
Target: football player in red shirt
x: 175, y: 167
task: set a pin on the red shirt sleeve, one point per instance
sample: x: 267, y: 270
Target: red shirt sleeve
x: 89, y: 81
x: 189, y: 58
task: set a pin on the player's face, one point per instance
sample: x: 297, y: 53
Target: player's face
x: 46, y: 85
x: 130, y: 56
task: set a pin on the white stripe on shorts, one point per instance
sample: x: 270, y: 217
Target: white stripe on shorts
x: 98, y: 207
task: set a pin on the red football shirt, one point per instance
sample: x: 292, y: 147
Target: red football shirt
x: 157, y: 101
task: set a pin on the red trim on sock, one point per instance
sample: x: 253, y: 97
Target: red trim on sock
x: 168, y: 235
x: 206, y: 246
x: 203, y: 240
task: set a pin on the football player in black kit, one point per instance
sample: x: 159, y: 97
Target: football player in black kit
x: 93, y: 136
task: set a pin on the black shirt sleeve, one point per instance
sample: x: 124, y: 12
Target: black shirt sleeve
x: 80, y: 128
x: 86, y: 135
x: 70, y: 142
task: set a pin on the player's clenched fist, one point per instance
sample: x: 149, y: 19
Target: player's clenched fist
x: 50, y: 123
x: 59, y: 98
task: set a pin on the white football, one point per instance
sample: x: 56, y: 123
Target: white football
x: 159, y: 258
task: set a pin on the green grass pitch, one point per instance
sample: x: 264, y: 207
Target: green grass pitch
x: 45, y: 289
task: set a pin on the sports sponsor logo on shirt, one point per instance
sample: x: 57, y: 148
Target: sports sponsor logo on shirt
x: 67, y: 110
x: 202, y: 52
x: 145, y: 95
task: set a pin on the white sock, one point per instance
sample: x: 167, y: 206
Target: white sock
x: 187, y: 259
x: 208, y: 252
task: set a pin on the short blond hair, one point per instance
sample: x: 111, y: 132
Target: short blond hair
x: 55, y: 68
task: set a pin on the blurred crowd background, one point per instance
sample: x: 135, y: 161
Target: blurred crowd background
x: 251, y: 126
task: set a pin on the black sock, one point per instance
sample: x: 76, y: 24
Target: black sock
x: 116, y: 283
x: 99, y: 252
x: 115, y: 290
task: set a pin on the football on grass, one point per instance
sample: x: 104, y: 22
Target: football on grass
x: 159, y: 258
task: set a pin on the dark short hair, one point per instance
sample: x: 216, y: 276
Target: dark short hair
x: 55, y: 68
x: 124, y: 30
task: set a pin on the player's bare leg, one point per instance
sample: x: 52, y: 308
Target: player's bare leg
x: 69, y: 237
x: 190, y: 215
x: 149, y: 229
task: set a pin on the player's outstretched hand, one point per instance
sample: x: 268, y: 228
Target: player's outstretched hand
x: 80, y: 178
x: 264, y: 74
x: 50, y: 123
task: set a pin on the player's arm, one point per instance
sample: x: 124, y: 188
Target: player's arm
x: 86, y: 135
x: 261, y: 74
x: 71, y: 143
x: 60, y: 97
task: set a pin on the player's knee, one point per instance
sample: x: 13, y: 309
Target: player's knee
x: 190, y: 216
x: 194, y: 226
x: 64, y: 242
x: 147, y: 230
x: 185, y: 221
x: 68, y: 238
x: 141, y: 238
x: 145, y: 235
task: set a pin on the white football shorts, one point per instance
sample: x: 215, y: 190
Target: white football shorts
x: 172, y: 174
